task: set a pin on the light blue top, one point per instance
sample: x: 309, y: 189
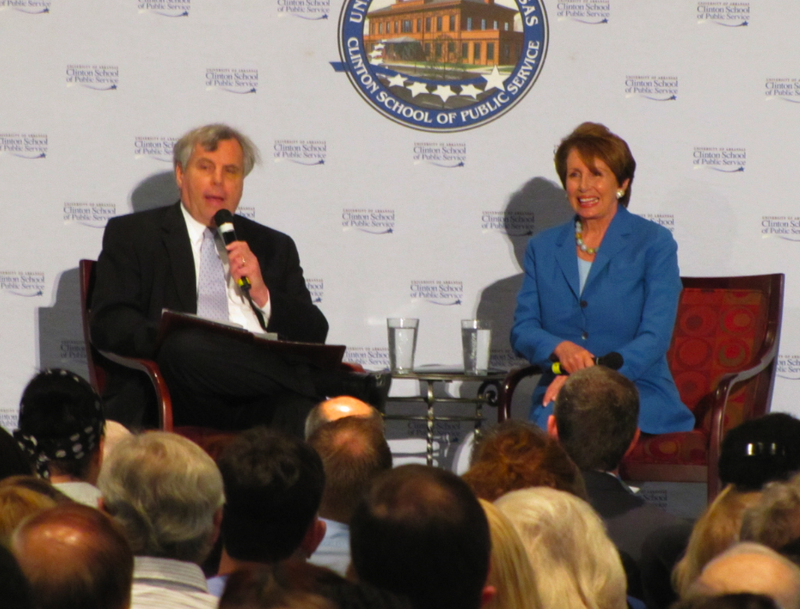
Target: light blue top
x: 584, y: 266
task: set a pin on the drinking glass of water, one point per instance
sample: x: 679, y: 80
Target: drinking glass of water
x: 476, y: 339
x: 402, y: 343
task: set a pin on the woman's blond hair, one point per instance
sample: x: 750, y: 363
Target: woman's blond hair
x: 568, y: 546
x: 713, y: 533
x: 510, y: 570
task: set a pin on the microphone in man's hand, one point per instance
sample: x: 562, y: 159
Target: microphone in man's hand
x: 611, y: 360
x: 224, y: 220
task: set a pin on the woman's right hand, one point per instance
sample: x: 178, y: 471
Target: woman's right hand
x: 573, y: 357
x: 553, y: 388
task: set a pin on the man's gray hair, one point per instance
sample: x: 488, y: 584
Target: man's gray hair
x: 164, y: 490
x: 763, y: 571
x: 775, y: 520
x: 209, y: 137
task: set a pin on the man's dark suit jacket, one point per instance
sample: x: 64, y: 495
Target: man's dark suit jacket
x: 640, y: 530
x: 147, y: 265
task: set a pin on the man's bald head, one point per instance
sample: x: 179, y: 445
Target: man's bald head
x: 338, y: 408
x: 353, y: 452
x: 75, y: 556
x: 751, y: 567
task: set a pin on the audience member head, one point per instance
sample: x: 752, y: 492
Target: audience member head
x: 75, y: 557
x: 273, y: 489
x: 515, y: 455
x: 15, y: 588
x: 759, y: 451
x: 296, y: 584
x: 596, y: 418
x: 742, y: 600
x: 209, y: 137
x: 577, y: 563
x: 511, y: 572
x: 715, y: 531
x: 593, y: 141
x: 751, y: 567
x: 775, y: 520
x: 61, y: 425
x: 13, y: 462
x: 166, y: 493
x: 353, y: 452
x: 259, y: 587
x: 17, y: 502
x: 338, y: 408
x: 420, y: 532
x: 113, y: 433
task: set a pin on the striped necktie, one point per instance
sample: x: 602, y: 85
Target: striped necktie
x: 212, y: 292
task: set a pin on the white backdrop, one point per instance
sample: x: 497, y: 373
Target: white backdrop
x: 389, y: 220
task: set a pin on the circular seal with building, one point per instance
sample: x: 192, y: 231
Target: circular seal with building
x: 443, y: 65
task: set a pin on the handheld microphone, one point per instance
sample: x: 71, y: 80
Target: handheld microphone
x: 611, y: 360
x: 224, y: 220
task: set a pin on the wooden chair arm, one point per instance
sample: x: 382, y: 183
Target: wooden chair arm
x: 513, y: 378
x: 719, y: 406
x: 151, y: 369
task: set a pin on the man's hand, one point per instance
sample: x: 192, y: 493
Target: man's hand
x: 573, y: 357
x: 244, y: 263
x: 553, y: 388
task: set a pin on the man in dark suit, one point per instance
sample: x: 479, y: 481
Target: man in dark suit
x: 595, y: 420
x: 172, y: 258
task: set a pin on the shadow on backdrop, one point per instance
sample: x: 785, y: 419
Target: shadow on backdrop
x: 60, y: 330
x: 546, y: 202
x: 61, y: 343
x: 158, y: 190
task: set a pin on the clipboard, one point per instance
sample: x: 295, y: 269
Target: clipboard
x: 325, y: 357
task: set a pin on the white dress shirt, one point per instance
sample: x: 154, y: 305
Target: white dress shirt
x: 239, y: 311
x: 163, y: 583
x: 334, y: 551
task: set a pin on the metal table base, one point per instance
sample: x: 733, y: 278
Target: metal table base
x: 488, y: 394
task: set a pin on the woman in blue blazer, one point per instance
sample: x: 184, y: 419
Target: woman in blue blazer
x: 606, y: 282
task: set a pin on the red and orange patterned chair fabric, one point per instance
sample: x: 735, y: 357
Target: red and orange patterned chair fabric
x: 723, y: 358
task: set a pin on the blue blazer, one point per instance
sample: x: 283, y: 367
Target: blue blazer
x: 628, y: 305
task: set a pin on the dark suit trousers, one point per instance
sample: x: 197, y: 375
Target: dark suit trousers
x: 219, y: 382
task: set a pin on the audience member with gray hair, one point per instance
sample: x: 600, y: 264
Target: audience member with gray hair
x: 751, y: 567
x: 167, y: 494
x: 775, y: 520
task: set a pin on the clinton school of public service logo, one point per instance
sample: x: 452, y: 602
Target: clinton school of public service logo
x: 443, y: 65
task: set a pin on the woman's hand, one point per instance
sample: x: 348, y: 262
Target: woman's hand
x: 573, y: 357
x: 553, y: 388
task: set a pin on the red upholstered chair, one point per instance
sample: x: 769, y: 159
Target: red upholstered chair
x: 723, y: 357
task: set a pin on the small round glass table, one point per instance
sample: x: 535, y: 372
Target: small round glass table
x: 489, y: 393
